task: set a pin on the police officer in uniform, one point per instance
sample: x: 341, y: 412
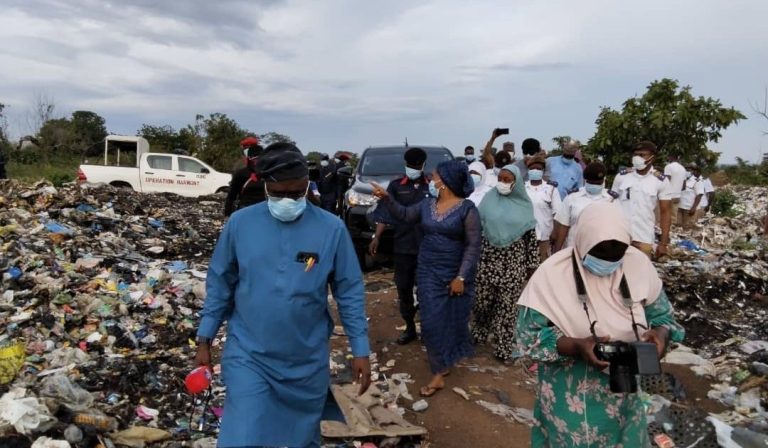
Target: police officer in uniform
x: 592, y: 192
x: 641, y: 189
x: 408, y: 190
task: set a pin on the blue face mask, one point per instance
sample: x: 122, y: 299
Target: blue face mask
x: 599, y: 267
x: 470, y: 158
x: 286, y: 209
x: 412, y: 173
x: 477, y: 180
x: 535, y: 174
x: 593, y: 189
x: 433, y: 189
x: 567, y: 161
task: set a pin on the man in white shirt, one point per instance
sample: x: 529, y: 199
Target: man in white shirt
x: 676, y: 174
x: 706, y: 200
x: 690, y: 197
x: 568, y: 215
x: 546, y: 202
x: 640, y: 190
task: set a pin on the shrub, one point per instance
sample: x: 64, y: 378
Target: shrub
x: 722, y: 204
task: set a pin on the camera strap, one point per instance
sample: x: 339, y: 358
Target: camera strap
x: 581, y: 291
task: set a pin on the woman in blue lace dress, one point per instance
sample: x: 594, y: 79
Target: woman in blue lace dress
x: 448, y: 255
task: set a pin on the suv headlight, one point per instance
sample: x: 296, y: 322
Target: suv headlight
x: 355, y: 199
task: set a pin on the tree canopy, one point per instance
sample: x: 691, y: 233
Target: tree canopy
x: 669, y: 116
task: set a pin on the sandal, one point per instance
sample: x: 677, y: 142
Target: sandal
x: 428, y: 391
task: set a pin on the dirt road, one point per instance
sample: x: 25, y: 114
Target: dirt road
x: 452, y: 421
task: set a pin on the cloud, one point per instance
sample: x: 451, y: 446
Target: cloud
x: 346, y: 73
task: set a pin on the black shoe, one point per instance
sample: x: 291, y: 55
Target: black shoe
x: 407, y: 337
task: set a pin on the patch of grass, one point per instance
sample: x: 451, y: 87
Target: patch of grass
x: 61, y: 172
x: 723, y: 203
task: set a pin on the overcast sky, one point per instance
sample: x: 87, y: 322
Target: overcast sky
x: 345, y: 74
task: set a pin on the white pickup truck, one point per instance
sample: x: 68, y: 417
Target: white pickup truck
x: 129, y: 164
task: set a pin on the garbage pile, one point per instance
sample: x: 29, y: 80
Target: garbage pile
x: 100, y: 289
x: 99, y: 296
x: 717, y: 278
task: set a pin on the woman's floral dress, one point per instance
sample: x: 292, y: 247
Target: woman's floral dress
x: 574, y: 406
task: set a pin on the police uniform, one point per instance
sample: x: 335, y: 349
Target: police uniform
x: 407, y: 238
x: 639, y: 195
x: 692, y: 186
x: 546, y: 202
x: 574, y: 204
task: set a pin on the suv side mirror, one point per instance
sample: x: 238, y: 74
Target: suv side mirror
x: 205, y: 171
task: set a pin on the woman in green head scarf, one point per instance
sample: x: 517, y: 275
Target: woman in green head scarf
x: 510, y: 255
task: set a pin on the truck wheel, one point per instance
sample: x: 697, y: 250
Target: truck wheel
x: 122, y: 185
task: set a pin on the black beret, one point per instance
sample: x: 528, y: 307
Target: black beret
x: 415, y: 156
x: 254, y: 151
x: 282, y: 161
x: 502, y: 158
x: 595, y: 171
x: 531, y: 146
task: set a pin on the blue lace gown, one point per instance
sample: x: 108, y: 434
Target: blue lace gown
x: 450, y: 248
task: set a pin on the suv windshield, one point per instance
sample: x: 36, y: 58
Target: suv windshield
x: 391, y: 163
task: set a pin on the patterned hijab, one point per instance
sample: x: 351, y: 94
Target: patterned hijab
x: 455, y: 176
x: 507, y: 218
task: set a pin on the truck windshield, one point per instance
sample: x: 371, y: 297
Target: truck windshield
x: 391, y: 163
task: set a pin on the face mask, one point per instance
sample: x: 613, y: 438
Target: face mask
x: 535, y: 174
x: 568, y: 161
x: 412, y: 174
x: 433, y: 190
x: 599, y: 267
x: 593, y: 189
x: 639, y: 163
x: 504, y: 189
x: 470, y: 158
x: 286, y: 209
x: 324, y: 163
x: 477, y: 179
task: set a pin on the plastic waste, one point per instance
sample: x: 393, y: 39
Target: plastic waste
x: 66, y: 392
x: 55, y: 227
x: 11, y: 360
x: 139, y: 436
x: 73, y: 434
x: 723, y: 432
x: 749, y: 439
x: 47, y: 442
x: 420, y: 406
x: 14, y: 273
x: 27, y: 415
x: 520, y: 415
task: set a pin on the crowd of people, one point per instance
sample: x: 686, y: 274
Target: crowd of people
x: 533, y: 255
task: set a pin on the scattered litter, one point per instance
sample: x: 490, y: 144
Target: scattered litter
x: 420, y: 406
x: 461, y: 392
x: 520, y: 415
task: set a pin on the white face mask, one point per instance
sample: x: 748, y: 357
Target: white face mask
x: 504, y: 189
x: 639, y: 163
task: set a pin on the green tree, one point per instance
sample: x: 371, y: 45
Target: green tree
x: 57, y: 134
x: 274, y: 137
x: 5, y: 144
x: 314, y: 156
x: 162, y: 138
x: 221, y: 141
x: 668, y: 115
x: 88, y: 128
x: 560, y: 141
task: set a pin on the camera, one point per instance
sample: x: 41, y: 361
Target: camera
x: 627, y: 360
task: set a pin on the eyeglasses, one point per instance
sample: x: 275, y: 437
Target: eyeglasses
x: 295, y: 194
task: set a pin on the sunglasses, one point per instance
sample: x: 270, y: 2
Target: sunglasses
x: 295, y: 194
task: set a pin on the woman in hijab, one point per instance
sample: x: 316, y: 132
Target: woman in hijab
x: 478, y: 172
x: 448, y: 255
x: 510, y: 255
x: 575, y: 406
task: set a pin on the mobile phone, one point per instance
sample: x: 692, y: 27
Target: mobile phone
x: 502, y: 131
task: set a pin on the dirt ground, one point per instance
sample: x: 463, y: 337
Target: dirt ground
x: 452, y: 421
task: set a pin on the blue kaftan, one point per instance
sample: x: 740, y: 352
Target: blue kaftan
x: 275, y: 360
x: 450, y: 248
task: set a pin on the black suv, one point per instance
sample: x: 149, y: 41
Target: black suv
x: 380, y: 165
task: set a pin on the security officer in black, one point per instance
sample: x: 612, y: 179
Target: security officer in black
x: 407, y: 190
x: 246, y: 188
x: 327, y: 184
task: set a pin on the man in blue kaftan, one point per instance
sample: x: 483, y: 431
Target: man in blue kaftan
x: 269, y: 279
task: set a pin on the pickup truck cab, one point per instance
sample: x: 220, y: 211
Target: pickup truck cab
x: 128, y: 163
x: 381, y: 165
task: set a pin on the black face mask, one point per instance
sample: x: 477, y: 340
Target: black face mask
x: 569, y: 156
